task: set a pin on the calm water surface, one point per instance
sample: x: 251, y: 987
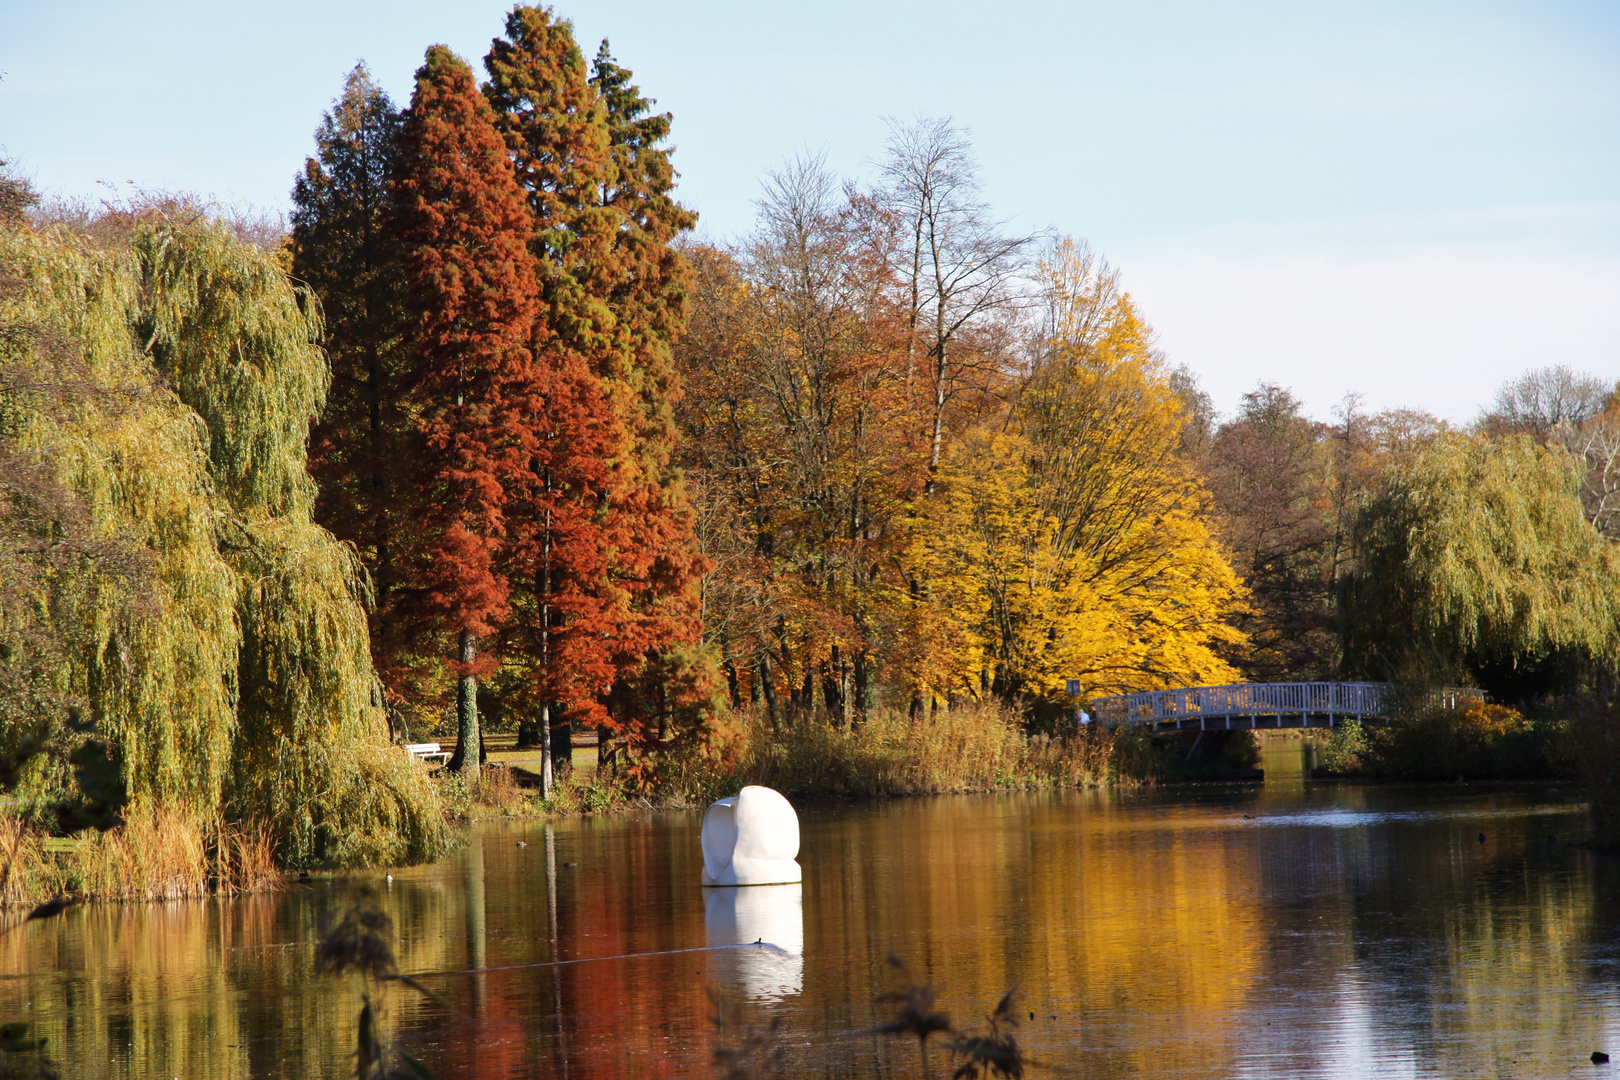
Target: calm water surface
x: 1284, y: 930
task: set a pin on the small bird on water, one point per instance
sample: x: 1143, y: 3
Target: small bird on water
x: 1482, y: 838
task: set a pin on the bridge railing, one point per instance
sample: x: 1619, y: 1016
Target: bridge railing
x: 1332, y: 699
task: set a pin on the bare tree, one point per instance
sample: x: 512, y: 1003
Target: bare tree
x: 799, y: 441
x: 1597, y: 443
x: 957, y: 268
x: 1579, y: 412
x: 1538, y: 401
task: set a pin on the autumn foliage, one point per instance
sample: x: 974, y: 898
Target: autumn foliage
x: 919, y: 490
x: 882, y: 453
x: 471, y: 296
x: 511, y: 446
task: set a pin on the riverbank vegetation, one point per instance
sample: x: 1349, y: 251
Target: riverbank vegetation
x: 1466, y: 740
x: 971, y: 748
x: 865, y: 502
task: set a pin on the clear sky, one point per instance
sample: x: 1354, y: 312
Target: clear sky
x: 1413, y: 200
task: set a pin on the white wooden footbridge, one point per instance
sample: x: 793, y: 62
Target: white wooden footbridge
x: 1260, y: 705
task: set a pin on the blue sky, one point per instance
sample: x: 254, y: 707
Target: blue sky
x: 1410, y: 200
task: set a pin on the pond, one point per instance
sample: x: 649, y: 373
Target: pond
x: 1281, y: 930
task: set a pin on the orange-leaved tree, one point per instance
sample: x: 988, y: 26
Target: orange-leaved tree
x: 470, y: 289
x: 612, y: 292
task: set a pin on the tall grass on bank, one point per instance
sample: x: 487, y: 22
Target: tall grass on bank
x: 975, y: 747
x: 158, y: 853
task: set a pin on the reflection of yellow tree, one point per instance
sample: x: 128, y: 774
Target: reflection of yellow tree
x: 174, y: 989
x: 1157, y: 922
x: 211, y: 988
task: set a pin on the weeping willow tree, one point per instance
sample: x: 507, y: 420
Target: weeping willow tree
x: 1476, y: 562
x: 235, y: 674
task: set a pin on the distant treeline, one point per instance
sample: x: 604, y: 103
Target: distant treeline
x: 934, y: 462
x: 1391, y: 546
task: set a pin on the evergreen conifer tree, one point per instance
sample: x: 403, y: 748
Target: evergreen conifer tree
x: 645, y: 282
x: 343, y: 248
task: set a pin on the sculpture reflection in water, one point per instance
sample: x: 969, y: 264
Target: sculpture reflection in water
x: 753, y: 896
x: 772, y: 915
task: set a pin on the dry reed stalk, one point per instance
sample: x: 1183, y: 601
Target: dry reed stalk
x: 498, y: 790
x: 24, y: 851
x: 159, y: 853
x: 978, y: 746
x: 245, y: 859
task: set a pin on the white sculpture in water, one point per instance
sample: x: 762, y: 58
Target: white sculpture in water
x: 751, y: 838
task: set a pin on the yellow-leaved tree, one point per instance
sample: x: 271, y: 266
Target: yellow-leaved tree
x: 1067, y: 539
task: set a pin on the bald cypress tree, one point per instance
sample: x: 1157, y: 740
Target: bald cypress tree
x: 612, y: 291
x: 470, y: 297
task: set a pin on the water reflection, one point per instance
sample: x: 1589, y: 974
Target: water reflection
x: 1284, y: 930
x: 770, y: 914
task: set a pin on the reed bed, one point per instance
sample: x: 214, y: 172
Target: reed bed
x: 977, y: 747
x: 21, y: 848
x: 159, y: 853
x: 498, y: 791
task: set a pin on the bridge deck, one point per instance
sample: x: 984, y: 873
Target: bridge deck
x: 1259, y: 705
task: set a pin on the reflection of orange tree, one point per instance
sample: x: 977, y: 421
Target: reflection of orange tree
x: 631, y: 1014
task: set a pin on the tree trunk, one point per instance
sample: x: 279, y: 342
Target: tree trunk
x: 861, y: 688
x: 767, y: 681
x: 545, y: 751
x: 546, y: 784
x: 469, y: 744
x: 562, y: 748
x: 832, y: 683
x: 663, y: 713
x: 732, y: 683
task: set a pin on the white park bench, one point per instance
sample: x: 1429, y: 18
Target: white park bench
x: 426, y: 750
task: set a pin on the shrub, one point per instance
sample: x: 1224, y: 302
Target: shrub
x: 1348, y: 749
x: 1471, y: 739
